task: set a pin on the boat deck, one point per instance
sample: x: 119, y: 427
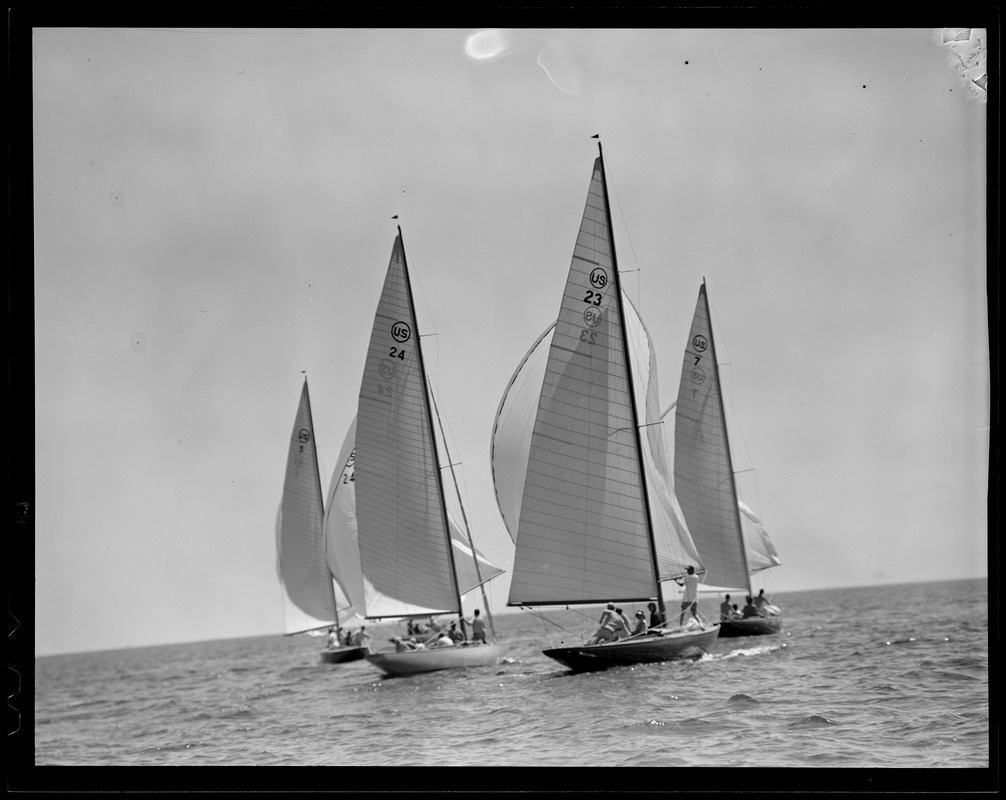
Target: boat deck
x: 646, y: 649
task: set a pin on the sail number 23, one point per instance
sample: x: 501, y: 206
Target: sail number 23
x: 592, y: 314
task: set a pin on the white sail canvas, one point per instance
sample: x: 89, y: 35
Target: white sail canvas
x: 342, y: 532
x: 511, y: 443
x: 583, y: 530
x: 732, y: 541
x: 308, y: 592
x: 403, y: 534
x: 580, y: 466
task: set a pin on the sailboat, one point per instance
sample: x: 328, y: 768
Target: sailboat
x: 731, y: 538
x: 579, y: 463
x: 400, y: 550
x: 312, y: 600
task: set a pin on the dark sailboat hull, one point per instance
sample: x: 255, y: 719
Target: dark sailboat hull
x: 752, y: 626
x: 340, y: 655
x: 648, y: 649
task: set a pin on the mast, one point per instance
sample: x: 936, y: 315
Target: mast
x: 632, y: 388
x: 429, y: 417
x: 464, y: 517
x: 726, y: 439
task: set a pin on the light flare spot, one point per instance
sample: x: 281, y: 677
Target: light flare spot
x: 486, y: 44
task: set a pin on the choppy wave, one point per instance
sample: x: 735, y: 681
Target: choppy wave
x: 864, y: 688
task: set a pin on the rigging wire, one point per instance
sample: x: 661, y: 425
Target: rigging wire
x: 628, y: 237
x: 736, y: 431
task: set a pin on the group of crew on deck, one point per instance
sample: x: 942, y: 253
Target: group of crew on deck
x: 418, y: 637
x: 433, y: 636
x: 615, y: 625
x: 754, y: 607
x: 357, y: 638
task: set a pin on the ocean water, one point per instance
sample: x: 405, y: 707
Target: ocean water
x: 875, y: 677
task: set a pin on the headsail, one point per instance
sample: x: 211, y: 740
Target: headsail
x: 512, y: 429
x: 760, y: 550
x: 308, y: 591
x: 703, y: 470
x: 343, y: 547
x: 583, y: 530
x: 341, y: 531
x: 404, y: 535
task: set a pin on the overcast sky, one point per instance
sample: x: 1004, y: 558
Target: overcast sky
x: 213, y: 216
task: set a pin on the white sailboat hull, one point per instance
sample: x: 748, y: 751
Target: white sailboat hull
x: 416, y: 661
x: 649, y: 649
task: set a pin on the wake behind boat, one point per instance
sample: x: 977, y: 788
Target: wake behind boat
x: 402, y: 551
x: 733, y: 542
x: 584, y: 485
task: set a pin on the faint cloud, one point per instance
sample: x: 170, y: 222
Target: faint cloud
x: 562, y: 67
x: 486, y: 44
x: 968, y: 49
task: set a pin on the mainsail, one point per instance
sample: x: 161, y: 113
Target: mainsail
x: 596, y: 519
x: 311, y: 599
x: 405, y: 537
x: 730, y: 537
